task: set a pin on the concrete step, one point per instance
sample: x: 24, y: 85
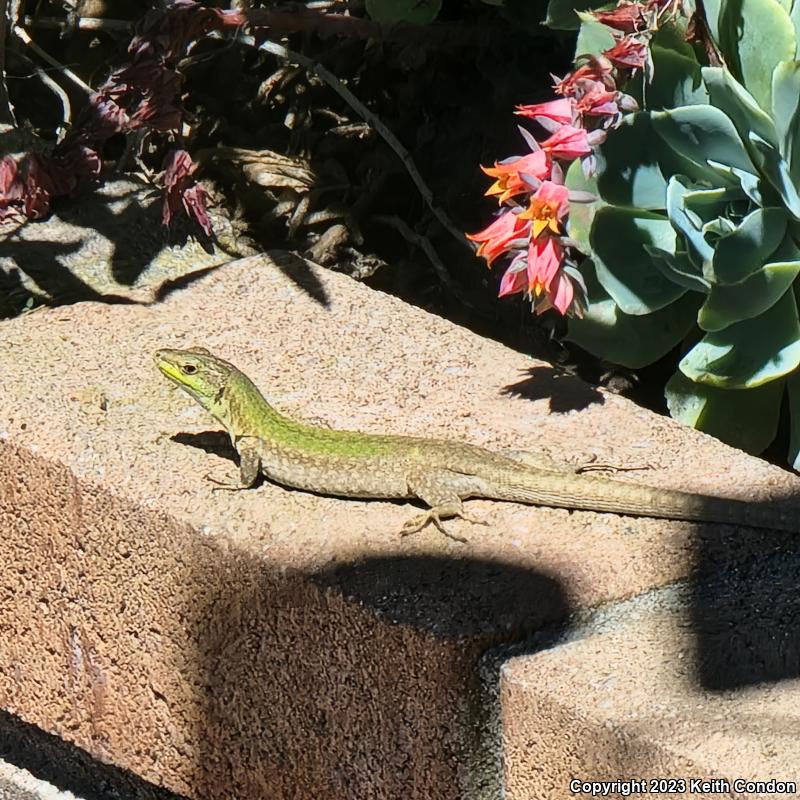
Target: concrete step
x: 273, y: 643
x: 693, y: 691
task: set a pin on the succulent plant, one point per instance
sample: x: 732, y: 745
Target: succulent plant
x: 693, y: 240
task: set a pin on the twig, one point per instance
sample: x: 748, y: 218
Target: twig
x: 424, y: 244
x: 66, y: 108
x: 22, y: 34
x: 369, y: 117
x: 81, y: 23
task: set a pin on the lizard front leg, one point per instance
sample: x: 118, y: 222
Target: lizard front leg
x: 442, y: 490
x: 249, y: 465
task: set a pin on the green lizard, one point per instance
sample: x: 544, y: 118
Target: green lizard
x: 440, y: 473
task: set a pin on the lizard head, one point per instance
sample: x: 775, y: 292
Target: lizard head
x: 200, y: 374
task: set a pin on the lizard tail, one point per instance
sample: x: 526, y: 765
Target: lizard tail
x: 620, y: 497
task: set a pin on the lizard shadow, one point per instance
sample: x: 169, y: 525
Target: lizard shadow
x: 565, y: 392
x: 216, y: 443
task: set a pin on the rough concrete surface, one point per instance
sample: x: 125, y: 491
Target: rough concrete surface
x: 111, y: 245
x: 703, y: 689
x: 273, y: 643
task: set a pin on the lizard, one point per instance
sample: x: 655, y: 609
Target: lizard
x: 440, y: 473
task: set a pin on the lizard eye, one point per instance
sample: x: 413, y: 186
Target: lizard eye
x: 188, y: 369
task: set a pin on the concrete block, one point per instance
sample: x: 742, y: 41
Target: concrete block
x: 273, y: 643
x: 690, y: 692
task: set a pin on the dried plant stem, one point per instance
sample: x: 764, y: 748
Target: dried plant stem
x: 424, y: 244
x: 372, y: 119
x: 23, y: 36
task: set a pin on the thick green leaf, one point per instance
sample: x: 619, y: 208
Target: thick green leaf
x: 749, y: 353
x: 755, y: 36
x: 687, y: 221
x: 793, y: 386
x: 703, y: 133
x: 420, y: 12
x: 785, y: 108
x: 581, y: 215
x: 593, y: 37
x: 633, y: 341
x: 795, y: 17
x: 726, y: 305
x: 676, y: 80
x: 744, y: 418
x: 743, y: 252
x: 679, y: 268
x: 777, y: 172
x: 672, y: 34
x: 628, y: 173
x: 712, y: 10
x: 749, y: 184
x: 624, y: 267
x: 739, y: 105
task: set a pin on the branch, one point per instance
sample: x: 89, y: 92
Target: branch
x: 371, y: 119
x: 22, y: 34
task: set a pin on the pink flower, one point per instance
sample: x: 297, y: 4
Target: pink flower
x: 540, y: 273
x: 595, y: 68
x: 547, y: 278
x: 568, y: 143
x: 559, y: 111
x: 547, y: 209
x: 626, y: 17
x: 509, y: 174
x: 628, y: 53
x: 594, y: 100
x: 498, y: 237
x: 560, y: 294
x: 544, y: 261
x: 515, y: 278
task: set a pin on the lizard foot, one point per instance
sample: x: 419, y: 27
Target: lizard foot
x: 224, y: 486
x: 434, y: 515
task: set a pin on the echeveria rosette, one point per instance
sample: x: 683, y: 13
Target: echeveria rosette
x: 694, y: 239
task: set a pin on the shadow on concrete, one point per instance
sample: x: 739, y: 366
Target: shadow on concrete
x: 367, y: 678
x: 450, y: 597
x: 746, y: 607
x: 300, y: 273
x: 95, y: 246
x: 217, y: 443
x: 565, y: 392
x: 51, y: 759
x: 744, y: 588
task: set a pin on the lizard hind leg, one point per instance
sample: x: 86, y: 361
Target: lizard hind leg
x: 442, y: 491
